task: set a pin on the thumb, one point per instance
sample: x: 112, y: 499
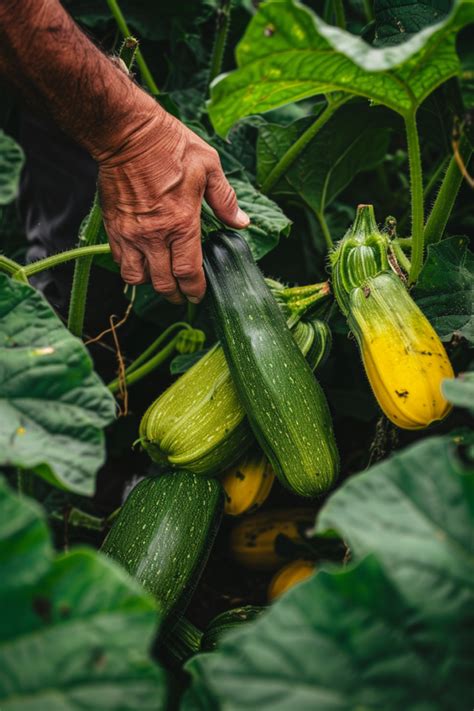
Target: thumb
x: 223, y: 200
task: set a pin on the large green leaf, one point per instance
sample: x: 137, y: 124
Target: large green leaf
x: 354, y: 140
x: 288, y: 53
x: 337, y: 642
x: 415, y: 511
x: 368, y: 637
x: 53, y: 406
x: 11, y: 163
x: 75, y: 630
x: 445, y: 288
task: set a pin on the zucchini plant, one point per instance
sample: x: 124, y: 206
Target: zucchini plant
x: 325, y: 408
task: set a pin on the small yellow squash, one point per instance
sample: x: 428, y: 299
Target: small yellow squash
x: 291, y: 574
x: 247, y: 484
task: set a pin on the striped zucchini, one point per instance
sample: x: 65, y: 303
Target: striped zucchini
x: 164, y: 533
x: 199, y: 423
x: 285, y: 405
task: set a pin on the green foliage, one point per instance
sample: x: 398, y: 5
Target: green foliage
x: 355, y: 139
x: 460, y: 390
x: 368, y: 636
x: 11, y: 163
x: 397, y: 21
x: 53, y: 407
x: 76, y: 629
x: 444, y: 290
x: 288, y: 53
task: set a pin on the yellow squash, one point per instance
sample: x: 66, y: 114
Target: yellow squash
x: 291, y: 574
x: 253, y: 542
x: 247, y: 484
x: 403, y: 356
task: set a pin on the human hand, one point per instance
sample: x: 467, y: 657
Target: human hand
x: 151, y: 186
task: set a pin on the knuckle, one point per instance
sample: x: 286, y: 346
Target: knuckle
x: 132, y: 277
x: 164, y: 287
x: 185, y: 270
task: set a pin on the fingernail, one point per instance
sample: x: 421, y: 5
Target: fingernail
x: 194, y: 299
x: 242, y: 217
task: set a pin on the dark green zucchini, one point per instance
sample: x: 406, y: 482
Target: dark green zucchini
x: 285, y: 405
x: 164, y: 533
x: 228, y: 620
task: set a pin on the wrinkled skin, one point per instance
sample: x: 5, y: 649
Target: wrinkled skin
x: 151, y: 190
x: 153, y: 171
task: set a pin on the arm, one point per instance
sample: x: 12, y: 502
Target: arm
x: 153, y: 171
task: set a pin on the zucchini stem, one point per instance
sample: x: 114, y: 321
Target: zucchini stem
x: 444, y: 203
x: 80, y: 282
x: 416, y: 184
x: 402, y: 259
x: 340, y: 16
x: 136, y: 372
x: 152, y: 348
x: 9, y: 266
x: 220, y: 39
x: 50, y: 262
x: 324, y: 229
x: 145, y: 72
x: 288, y: 158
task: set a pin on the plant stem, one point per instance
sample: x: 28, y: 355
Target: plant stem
x: 147, y: 368
x: 148, y: 352
x: 8, y: 265
x: 142, y: 65
x: 369, y: 13
x: 340, y: 15
x: 50, y: 262
x: 402, y: 259
x: 80, y: 282
x: 294, y: 151
x: 444, y: 203
x: 416, y: 184
x: 435, y: 176
x: 25, y: 482
x: 324, y: 229
x: 222, y: 30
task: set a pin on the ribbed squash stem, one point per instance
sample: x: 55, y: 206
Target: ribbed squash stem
x: 80, y: 282
x: 67, y: 256
x: 416, y: 184
x: 119, y: 18
x: 444, y: 203
x: 148, y: 352
x: 294, y: 151
x: 9, y: 266
x: 324, y: 229
x: 147, y: 368
x: 222, y: 30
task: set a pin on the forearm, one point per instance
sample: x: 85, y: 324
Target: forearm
x: 50, y: 61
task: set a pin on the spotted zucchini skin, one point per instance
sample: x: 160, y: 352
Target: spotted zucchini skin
x: 285, y: 404
x: 164, y: 534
